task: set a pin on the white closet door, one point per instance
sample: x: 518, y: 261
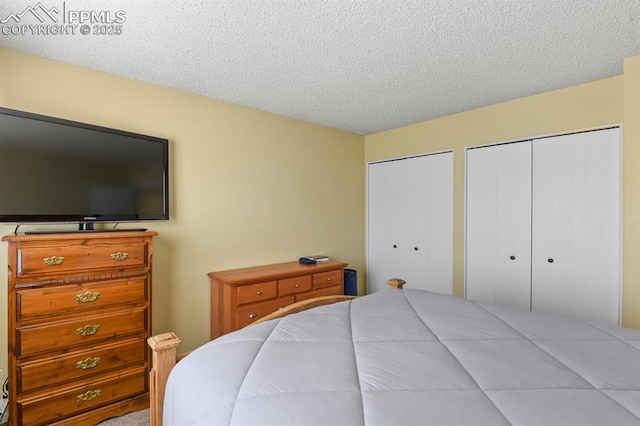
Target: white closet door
x: 410, y: 223
x: 396, y: 263
x: 576, y: 226
x: 498, y: 224
x: 439, y: 234
x: 377, y: 227
x: 429, y: 226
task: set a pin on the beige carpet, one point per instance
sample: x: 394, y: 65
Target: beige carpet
x: 137, y: 418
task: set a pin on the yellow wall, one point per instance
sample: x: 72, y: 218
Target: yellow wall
x: 611, y: 101
x: 247, y: 187
x: 631, y: 194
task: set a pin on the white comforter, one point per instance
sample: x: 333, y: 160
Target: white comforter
x: 410, y: 357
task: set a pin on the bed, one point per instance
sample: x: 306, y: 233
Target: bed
x: 410, y: 357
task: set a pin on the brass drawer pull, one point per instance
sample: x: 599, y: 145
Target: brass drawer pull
x: 252, y: 316
x: 89, y: 395
x: 259, y: 293
x: 88, y: 296
x: 87, y: 330
x: 119, y: 255
x: 297, y: 285
x: 88, y: 362
x: 53, y: 260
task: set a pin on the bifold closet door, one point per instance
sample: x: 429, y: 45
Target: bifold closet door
x: 576, y: 225
x: 386, y: 213
x: 498, y: 224
x: 410, y: 223
x: 429, y: 227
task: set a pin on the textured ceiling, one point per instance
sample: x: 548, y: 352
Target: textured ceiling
x: 360, y: 66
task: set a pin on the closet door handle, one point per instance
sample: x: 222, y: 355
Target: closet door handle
x: 512, y: 257
x: 395, y: 246
x: 550, y: 260
x: 415, y: 248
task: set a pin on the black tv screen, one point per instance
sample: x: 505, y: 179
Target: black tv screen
x: 54, y: 170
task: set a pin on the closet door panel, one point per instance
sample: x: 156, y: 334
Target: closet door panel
x: 398, y: 219
x: 439, y: 233
x: 576, y: 225
x: 553, y: 227
x: 377, y: 227
x: 498, y: 229
x: 387, y: 223
x: 415, y: 249
x: 513, y: 236
x: 430, y: 232
x: 597, y: 248
x: 481, y: 224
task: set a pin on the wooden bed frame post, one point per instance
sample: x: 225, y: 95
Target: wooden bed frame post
x: 395, y: 283
x: 163, y: 347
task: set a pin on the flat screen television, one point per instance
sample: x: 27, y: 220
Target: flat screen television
x: 54, y: 170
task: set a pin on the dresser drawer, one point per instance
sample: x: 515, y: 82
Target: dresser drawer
x: 248, y: 314
x: 326, y: 279
x: 36, y: 261
x: 63, y: 334
x: 324, y: 291
x: 51, y: 300
x: 294, y: 285
x: 55, y: 405
x: 257, y: 292
x: 59, y: 369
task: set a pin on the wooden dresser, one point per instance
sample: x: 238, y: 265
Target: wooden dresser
x: 79, y: 316
x: 242, y: 296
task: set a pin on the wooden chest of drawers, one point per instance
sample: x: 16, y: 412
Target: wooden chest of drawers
x: 79, y: 316
x: 242, y: 296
